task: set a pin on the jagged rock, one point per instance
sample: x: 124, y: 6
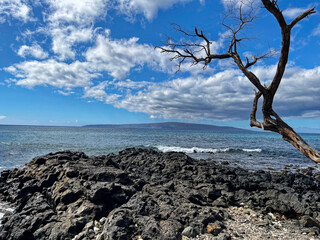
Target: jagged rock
x: 189, y: 232
x: 144, y: 194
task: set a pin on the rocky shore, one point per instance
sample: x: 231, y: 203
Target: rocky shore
x: 144, y: 194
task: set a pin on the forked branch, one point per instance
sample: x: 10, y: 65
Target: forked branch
x: 196, y: 52
x: 255, y: 59
x: 273, y: 8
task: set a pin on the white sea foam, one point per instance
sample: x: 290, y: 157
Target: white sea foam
x: 4, y: 207
x: 14, y: 153
x: 252, y: 150
x: 203, y: 150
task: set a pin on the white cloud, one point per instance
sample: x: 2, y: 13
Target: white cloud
x: 226, y: 95
x: 194, y: 97
x: 299, y: 92
x: 112, y: 56
x: 65, y: 93
x: 70, y: 22
x: 292, y: 13
x: 53, y: 73
x: 2, y: 117
x: 237, y: 3
x: 311, y: 114
x: 129, y: 84
x: 316, y: 31
x: 118, y: 57
x: 83, y: 12
x: 97, y: 92
x: 35, y: 50
x: 148, y: 8
x: 64, y: 38
x: 18, y: 9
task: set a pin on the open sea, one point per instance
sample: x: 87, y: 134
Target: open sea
x: 252, y: 150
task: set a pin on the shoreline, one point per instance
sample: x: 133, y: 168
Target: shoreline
x: 145, y: 194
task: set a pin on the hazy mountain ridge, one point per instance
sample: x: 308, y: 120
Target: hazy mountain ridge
x: 173, y: 126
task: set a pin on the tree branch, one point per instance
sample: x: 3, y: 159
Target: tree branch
x: 273, y: 8
x: 253, y: 120
x: 255, y: 59
x: 250, y: 75
x: 183, y: 51
x: 243, y: 19
x: 302, y: 16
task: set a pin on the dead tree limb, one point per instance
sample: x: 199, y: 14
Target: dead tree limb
x: 198, y: 51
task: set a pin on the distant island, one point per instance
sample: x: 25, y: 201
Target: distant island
x: 173, y: 126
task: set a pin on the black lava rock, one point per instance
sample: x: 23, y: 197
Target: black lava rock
x: 142, y: 193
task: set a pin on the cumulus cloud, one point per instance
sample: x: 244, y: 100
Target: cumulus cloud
x: 18, y: 9
x: 86, y: 11
x: 129, y: 84
x: 245, y: 4
x: 2, y: 117
x: 97, y: 92
x: 64, y: 38
x: 215, y: 97
x: 53, y: 73
x: 83, y: 12
x: 299, y: 92
x: 35, y: 51
x: 118, y: 57
x: 70, y: 23
x: 148, y: 8
x: 226, y: 96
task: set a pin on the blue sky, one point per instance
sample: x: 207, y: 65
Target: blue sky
x: 77, y: 62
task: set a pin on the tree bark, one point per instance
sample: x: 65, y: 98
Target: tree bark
x: 272, y: 122
x: 292, y: 137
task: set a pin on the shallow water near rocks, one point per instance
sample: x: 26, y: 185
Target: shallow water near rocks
x: 252, y: 150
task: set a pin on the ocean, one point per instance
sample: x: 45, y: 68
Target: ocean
x: 252, y: 150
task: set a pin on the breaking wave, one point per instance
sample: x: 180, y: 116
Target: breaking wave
x: 205, y: 150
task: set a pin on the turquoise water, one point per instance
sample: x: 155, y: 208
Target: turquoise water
x: 19, y: 144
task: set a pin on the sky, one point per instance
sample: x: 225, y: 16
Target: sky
x: 78, y: 62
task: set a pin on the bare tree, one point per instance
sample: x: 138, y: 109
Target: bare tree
x: 201, y: 53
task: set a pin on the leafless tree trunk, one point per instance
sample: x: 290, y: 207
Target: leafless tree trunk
x: 271, y: 120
